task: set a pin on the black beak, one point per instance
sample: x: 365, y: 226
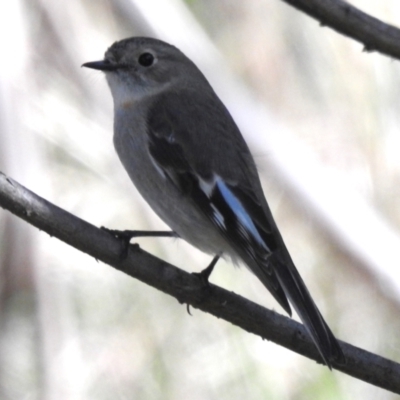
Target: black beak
x: 103, y: 65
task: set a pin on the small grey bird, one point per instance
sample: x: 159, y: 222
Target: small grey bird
x: 188, y: 159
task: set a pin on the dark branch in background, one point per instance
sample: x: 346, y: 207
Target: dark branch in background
x: 185, y: 287
x: 344, y: 18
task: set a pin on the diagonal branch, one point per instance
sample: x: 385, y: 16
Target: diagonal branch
x: 344, y: 18
x: 185, y: 287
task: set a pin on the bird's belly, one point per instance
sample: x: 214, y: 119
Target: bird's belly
x: 173, y: 207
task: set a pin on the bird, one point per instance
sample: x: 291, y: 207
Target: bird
x: 188, y: 159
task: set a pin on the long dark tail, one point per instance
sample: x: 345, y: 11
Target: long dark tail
x: 300, y: 298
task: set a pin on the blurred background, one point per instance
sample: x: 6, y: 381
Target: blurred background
x: 322, y: 119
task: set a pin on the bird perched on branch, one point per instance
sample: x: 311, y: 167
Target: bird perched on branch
x: 188, y: 159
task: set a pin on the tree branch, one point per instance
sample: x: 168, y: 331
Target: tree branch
x: 344, y: 18
x: 185, y: 287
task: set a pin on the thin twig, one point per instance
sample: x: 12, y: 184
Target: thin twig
x: 344, y: 18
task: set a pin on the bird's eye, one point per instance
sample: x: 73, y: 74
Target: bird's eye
x: 146, y: 59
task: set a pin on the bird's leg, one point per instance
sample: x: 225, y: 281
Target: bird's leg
x: 126, y: 236
x: 205, y: 274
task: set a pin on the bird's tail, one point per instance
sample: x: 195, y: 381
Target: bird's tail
x: 300, y: 298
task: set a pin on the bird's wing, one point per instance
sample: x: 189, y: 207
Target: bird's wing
x: 219, y: 188
x: 226, y: 189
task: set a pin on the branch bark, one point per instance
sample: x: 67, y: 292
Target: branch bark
x: 344, y: 18
x: 185, y: 287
